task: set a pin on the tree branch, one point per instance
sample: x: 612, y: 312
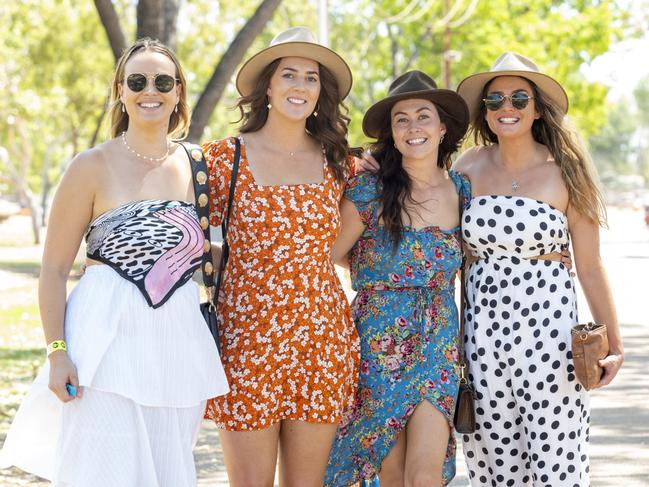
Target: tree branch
x: 229, y: 62
x: 110, y: 21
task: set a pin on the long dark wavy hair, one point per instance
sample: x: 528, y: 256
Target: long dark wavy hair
x: 394, y: 183
x: 566, y: 148
x: 329, y: 128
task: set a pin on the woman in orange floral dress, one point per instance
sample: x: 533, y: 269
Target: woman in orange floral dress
x: 288, y: 344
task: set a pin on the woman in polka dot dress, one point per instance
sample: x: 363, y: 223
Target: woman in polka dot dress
x: 533, y: 190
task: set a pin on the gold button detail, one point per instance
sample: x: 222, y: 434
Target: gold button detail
x: 202, y: 200
x: 197, y: 155
x: 204, y: 223
x: 208, y: 268
x: 207, y: 246
x: 201, y: 177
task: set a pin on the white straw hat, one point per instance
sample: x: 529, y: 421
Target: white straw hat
x: 511, y: 64
x: 294, y: 42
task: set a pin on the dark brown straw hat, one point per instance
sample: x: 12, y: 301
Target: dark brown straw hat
x: 415, y: 84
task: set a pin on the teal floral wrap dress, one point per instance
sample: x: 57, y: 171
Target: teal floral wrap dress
x: 407, y: 320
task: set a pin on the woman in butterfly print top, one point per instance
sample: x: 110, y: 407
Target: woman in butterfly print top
x: 139, y: 353
x: 532, y: 189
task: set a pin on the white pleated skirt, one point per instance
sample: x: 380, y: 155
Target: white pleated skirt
x: 146, y: 375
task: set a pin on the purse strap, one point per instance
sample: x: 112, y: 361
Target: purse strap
x: 225, y: 223
x: 461, y: 356
x: 201, y: 195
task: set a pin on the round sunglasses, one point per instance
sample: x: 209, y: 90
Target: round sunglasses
x: 519, y: 100
x: 164, y: 83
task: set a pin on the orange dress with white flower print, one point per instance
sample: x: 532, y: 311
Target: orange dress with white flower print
x: 288, y: 344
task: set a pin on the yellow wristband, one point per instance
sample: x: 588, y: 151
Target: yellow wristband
x: 55, y: 346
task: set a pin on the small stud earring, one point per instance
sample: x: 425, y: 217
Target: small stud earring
x: 441, y: 138
x: 315, y: 114
x: 176, y: 109
x: 269, y: 106
x: 123, y: 109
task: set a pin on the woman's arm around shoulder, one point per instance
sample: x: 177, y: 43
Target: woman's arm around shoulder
x: 594, y: 282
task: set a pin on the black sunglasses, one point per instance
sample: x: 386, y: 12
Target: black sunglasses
x: 163, y: 82
x: 519, y: 100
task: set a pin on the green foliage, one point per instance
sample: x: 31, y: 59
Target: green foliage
x: 56, y: 70
x: 558, y: 36
x: 56, y: 65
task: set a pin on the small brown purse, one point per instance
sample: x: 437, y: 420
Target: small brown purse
x: 464, y: 418
x: 589, y: 345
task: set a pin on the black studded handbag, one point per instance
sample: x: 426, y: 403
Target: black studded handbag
x: 464, y: 418
x: 201, y: 193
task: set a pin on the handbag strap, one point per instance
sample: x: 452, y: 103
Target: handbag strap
x: 201, y: 195
x: 461, y: 356
x: 225, y: 223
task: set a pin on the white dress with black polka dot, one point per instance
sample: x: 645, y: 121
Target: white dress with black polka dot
x: 532, y: 414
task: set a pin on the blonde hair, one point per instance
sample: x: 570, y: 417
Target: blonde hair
x: 553, y: 131
x: 178, y: 121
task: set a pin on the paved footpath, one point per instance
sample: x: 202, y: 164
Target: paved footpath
x: 620, y: 413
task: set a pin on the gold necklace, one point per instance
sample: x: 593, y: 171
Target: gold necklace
x: 141, y: 156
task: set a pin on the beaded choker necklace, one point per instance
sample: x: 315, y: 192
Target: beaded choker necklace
x: 146, y: 158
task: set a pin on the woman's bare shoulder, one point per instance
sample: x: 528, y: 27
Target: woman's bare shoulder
x: 471, y: 158
x: 90, y: 165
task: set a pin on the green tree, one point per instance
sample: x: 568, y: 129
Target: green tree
x: 53, y: 71
x: 611, y: 147
x: 559, y: 36
x: 158, y: 19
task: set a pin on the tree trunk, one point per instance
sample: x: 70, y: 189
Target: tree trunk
x: 229, y: 62
x: 110, y: 21
x: 150, y: 19
x: 158, y: 19
x: 171, y: 8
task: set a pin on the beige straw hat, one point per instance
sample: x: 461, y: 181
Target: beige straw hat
x: 511, y: 64
x: 294, y: 42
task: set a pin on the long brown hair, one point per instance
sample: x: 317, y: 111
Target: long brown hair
x: 394, y: 182
x: 566, y: 148
x: 329, y: 128
x: 178, y: 121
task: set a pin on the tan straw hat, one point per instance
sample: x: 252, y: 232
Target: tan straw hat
x: 294, y: 42
x: 415, y: 84
x: 511, y: 64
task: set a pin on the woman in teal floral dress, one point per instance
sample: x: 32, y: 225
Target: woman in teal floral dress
x: 401, y: 226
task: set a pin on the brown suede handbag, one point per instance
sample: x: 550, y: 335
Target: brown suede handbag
x: 589, y: 345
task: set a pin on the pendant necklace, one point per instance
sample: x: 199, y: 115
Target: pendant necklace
x: 515, y: 185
